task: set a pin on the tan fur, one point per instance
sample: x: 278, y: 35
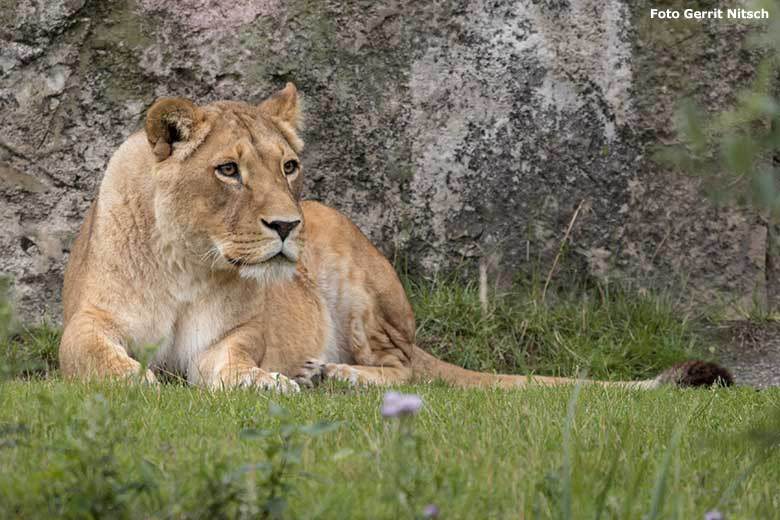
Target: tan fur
x: 175, y: 257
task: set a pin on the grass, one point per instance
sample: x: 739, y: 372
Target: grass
x: 71, y: 449
x: 30, y: 352
x: 110, y: 450
x: 610, y: 333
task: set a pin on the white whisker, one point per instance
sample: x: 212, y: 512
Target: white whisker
x: 214, y: 253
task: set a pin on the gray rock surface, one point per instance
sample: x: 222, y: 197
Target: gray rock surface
x: 445, y: 129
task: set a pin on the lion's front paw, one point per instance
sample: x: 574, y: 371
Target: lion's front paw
x: 311, y: 374
x: 149, y: 377
x: 273, y: 381
x: 132, y: 372
x: 315, y: 372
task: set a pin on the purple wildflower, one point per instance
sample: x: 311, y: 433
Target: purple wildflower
x: 397, y: 405
x: 714, y: 515
x: 430, y: 511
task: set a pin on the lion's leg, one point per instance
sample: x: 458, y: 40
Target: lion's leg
x: 233, y: 362
x: 91, y: 346
x: 378, y: 350
x: 314, y: 371
x: 381, y: 345
x: 358, y: 374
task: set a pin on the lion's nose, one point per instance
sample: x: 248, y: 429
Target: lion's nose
x: 282, y: 227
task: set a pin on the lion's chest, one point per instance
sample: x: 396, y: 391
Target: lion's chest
x: 195, y: 326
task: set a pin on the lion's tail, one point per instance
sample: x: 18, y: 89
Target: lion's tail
x: 690, y: 373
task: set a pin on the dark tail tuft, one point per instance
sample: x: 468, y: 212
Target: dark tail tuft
x: 697, y: 373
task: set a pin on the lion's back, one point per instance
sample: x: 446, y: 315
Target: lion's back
x: 128, y: 165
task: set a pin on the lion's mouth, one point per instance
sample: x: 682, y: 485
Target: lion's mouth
x: 279, y: 257
x: 238, y: 262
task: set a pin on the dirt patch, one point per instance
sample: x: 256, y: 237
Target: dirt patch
x: 750, y: 349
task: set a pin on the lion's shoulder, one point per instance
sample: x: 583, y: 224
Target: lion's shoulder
x: 329, y: 226
x: 318, y: 213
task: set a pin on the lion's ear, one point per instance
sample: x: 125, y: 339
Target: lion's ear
x: 284, y: 106
x: 169, y: 121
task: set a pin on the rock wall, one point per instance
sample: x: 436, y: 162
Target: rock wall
x: 446, y: 129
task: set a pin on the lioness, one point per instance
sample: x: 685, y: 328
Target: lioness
x: 197, y: 243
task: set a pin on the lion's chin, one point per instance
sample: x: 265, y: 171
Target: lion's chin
x: 275, y: 270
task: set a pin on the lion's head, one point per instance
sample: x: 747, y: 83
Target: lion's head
x: 227, y: 181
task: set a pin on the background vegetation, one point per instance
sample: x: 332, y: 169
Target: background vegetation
x: 736, y: 152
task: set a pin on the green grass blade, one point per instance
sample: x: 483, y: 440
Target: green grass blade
x: 659, y: 489
x: 568, y: 453
x: 601, y: 499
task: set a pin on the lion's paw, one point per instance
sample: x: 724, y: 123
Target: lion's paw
x: 311, y: 374
x: 315, y: 372
x: 343, y: 372
x: 269, y: 381
x: 149, y: 377
x: 136, y: 376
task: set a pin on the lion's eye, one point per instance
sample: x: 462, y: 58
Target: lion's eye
x: 229, y: 170
x: 290, y: 167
